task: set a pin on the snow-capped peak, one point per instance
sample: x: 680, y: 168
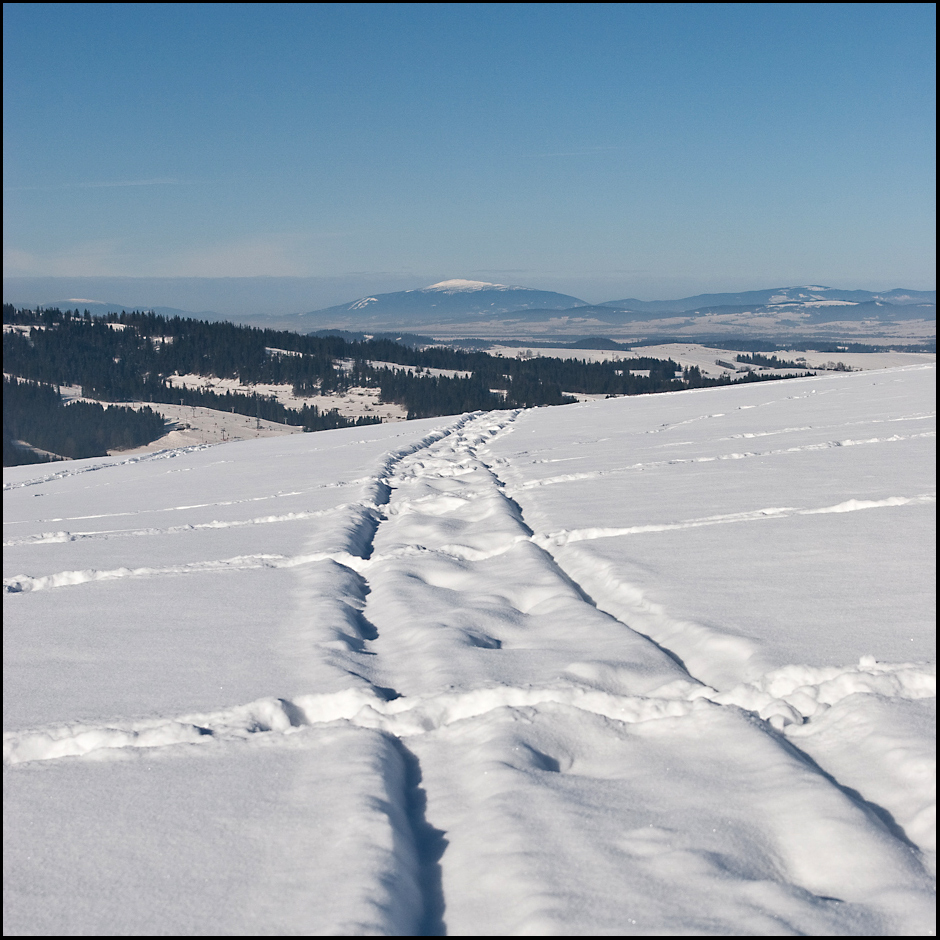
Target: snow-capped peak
x: 461, y: 284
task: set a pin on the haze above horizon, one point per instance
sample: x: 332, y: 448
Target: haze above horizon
x: 599, y: 150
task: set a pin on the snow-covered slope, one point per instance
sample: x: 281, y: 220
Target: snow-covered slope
x: 657, y: 665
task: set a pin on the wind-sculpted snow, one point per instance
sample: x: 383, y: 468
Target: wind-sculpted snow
x: 850, y: 505
x: 788, y: 696
x: 411, y: 680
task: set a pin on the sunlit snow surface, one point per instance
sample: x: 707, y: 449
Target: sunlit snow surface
x: 656, y: 665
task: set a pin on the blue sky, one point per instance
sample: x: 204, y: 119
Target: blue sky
x: 611, y: 150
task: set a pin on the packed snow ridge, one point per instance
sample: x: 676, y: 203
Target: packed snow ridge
x: 580, y: 670
x: 458, y: 284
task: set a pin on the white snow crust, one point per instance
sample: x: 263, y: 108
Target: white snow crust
x: 659, y: 665
x: 460, y: 284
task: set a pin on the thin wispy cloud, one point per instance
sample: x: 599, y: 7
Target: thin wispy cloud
x: 584, y: 152
x: 102, y: 257
x: 106, y: 184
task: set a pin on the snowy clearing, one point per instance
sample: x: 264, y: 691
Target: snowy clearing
x: 191, y: 425
x: 695, y: 354
x: 356, y: 403
x: 652, y: 665
x: 349, y: 364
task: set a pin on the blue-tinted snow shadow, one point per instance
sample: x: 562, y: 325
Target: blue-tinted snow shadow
x: 430, y: 844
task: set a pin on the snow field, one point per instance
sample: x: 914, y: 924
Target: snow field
x: 618, y: 826
x: 485, y: 696
x: 261, y: 840
x: 192, y: 425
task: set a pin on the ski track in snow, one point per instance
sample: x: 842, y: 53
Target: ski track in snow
x: 25, y: 583
x: 75, y: 471
x: 565, y: 536
x: 436, y: 518
x: 745, y: 455
x: 156, y: 531
x: 361, y: 557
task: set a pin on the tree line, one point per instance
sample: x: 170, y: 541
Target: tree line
x: 35, y: 414
x: 132, y: 357
x: 770, y: 362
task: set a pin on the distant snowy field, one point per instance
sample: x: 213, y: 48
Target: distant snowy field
x: 705, y: 357
x: 651, y: 665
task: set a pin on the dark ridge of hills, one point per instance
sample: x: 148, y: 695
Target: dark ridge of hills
x: 447, y: 301
x: 795, y: 312
x: 898, y: 296
x: 597, y: 342
x: 100, y: 308
x: 452, y: 303
x: 405, y: 339
x: 489, y: 310
x: 594, y: 312
x: 814, y: 313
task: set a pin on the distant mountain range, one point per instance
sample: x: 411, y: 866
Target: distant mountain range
x: 476, y: 308
x: 472, y: 303
x: 809, y: 296
x: 446, y: 301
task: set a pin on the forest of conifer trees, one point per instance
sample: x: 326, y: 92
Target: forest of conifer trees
x: 130, y: 357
